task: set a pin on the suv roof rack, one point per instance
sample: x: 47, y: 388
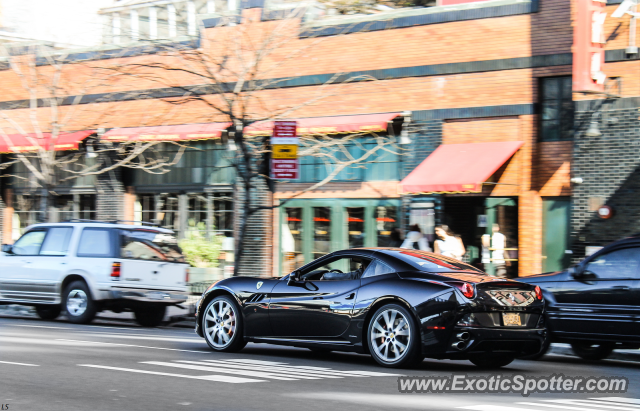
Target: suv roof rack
x: 83, y: 220
x: 137, y: 222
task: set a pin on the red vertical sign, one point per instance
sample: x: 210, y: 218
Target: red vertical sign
x: 283, y: 166
x: 588, y: 46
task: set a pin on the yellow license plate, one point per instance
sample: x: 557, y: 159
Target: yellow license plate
x: 511, y: 319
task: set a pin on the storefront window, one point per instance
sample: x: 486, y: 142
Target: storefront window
x: 386, y: 222
x: 292, y: 240
x: 355, y: 226
x: 321, y: 231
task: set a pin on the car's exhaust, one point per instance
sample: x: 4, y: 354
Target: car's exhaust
x: 464, y: 336
x: 459, y: 345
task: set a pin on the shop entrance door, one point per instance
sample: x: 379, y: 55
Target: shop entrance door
x: 555, y: 217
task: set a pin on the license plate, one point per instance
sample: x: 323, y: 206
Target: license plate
x: 511, y: 319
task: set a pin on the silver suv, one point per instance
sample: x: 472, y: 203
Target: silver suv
x: 87, y: 267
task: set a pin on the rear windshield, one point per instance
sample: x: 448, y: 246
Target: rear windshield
x: 162, y: 243
x: 434, y: 263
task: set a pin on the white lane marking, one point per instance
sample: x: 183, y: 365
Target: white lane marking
x: 271, y: 370
x: 564, y: 406
x: 218, y: 378
x: 131, y: 345
x: 495, y: 408
x: 325, y: 372
x: 223, y: 370
x: 149, y: 337
x: 618, y: 399
x: 41, y: 326
x: 19, y: 363
x: 609, y: 406
x: 318, y: 369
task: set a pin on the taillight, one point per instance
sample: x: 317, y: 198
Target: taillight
x: 115, y: 271
x: 186, y: 275
x: 538, y: 293
x: 468, y: 290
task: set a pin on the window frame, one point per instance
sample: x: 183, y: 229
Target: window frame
x: 562, y: 136
x: 110, y: 231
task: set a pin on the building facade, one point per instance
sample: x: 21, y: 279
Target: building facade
x: 446, y: 79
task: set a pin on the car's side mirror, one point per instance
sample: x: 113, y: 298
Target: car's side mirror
x: 294, y: 277
x: 6, y: 248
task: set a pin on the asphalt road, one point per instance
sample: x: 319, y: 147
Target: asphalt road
x: 111, y: 366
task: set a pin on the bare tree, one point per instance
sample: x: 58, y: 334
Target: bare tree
x: 35, y: 129
x: 230, y: 76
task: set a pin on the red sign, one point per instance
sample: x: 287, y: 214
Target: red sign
x: 285, y: 128
x: 285, y: 169
x: 284, y: 134
x: 588, y: 46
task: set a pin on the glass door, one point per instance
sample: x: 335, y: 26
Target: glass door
x: 355, y: 227
x: 321, y: 231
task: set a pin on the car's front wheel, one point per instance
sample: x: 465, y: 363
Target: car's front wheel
x: 222, y: 325
x: 150, y: 316
x: 81, y: 308
x: 48, y: 312
x: 393, y: 337
x: 593, y: 352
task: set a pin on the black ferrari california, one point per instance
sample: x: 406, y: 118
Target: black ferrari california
x: 398, y: 305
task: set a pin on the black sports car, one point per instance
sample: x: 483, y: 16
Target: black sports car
x: 398, y: 305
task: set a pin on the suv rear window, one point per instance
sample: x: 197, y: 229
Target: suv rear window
x: 95, y: 242
x: 150, y: 245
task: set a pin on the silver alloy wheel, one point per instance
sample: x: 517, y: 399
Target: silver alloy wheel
x: 77, y: 302
x: 220, y: 323
x: 390, y: 335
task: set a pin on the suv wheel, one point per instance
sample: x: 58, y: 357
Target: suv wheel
x: 80, y: 307
x: 222, y: 325
x: 590, y: 351
x: 151, y: 316
x: 48, y: 312
x: 393, y: 337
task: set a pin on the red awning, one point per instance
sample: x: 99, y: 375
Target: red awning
x: 167, y: 133
x: 459, y: 168
x: 362, y: 123
x: 22, y: 143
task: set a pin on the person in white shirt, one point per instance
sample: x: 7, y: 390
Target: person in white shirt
x: 415, y: 239
x: 498, y: 254
x: 448, y: 244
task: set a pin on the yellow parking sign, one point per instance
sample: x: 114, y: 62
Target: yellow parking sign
x: 285, y: 151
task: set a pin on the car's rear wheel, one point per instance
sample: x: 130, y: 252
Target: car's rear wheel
x: 222, y: 325
x: 489, y: 362
x: 393, y: 337
x: 81, y: 309
x: 592, y: 351
x: 48, y: 312
x: 150, y: 316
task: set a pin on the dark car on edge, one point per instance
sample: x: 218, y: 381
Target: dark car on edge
x: 595, y: 305
x: 398, y: 305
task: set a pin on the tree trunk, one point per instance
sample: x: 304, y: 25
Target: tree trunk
x: 243, y: 228
x: 43, y: 216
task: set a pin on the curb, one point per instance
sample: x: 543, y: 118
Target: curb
x: 622, y: 355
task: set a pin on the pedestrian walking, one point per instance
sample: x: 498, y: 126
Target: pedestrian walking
x: 415, y: 239
x: 448, y: 244
x: 499, y: 255
x: 395, y: 238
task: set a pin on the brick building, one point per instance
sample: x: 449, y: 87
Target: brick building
x: 495, y: 71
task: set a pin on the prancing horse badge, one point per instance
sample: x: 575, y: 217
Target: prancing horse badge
x: 259, y: 285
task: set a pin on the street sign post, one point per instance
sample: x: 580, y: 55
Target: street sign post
x: 284, y: 151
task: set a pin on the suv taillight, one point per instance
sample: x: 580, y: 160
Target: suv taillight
x: 186, y: 275
x: 115, y: 271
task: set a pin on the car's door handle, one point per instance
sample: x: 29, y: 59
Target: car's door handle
x: 350, y: 296
x: 155, y: 272
x: 622, y: 287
